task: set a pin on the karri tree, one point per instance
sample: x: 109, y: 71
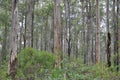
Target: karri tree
x: 12, y: 65
x: 57, y: 33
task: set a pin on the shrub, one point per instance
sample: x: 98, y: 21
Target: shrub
x: 32, y: 61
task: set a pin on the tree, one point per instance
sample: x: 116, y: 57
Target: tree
x: 68, y: 26
x: 4, y: 42
x: 29, y: 23
x: 97, y: 32
x: 57, y: 33
x: 116, y: 34
x: 12, y: 65
x: 108, y: 35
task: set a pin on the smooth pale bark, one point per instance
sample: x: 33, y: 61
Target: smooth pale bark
x: 57, y: 33
x: 97, y: 50
x: 12, y: 65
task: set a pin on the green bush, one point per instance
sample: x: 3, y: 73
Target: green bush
x: 32, y: 61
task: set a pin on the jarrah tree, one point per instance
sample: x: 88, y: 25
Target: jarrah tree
x: 57, y: 33
x: 12, y: 65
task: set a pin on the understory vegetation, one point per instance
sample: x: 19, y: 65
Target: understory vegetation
x: 39, y: 65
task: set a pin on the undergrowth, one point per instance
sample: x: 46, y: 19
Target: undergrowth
x: 39, y: 65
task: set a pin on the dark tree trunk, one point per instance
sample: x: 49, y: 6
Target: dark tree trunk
x: 108, y: 36
x: 115, y: 22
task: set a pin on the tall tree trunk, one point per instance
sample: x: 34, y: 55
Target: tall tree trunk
x: 118, y: 27
x: 115, y: 21
x: 4, y: 41
x: 57, y: 33
x: 21, y: 29
x: 97, y: 32
x: 29, y: 23
x: 68, y: 27
x: 84, y: 37
x: 108, y: 36
x: 4, y: 44
x: 89, y: 33
x: 24, y: 35
x: 12, y: 65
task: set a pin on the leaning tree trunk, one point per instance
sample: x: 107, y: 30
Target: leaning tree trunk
x: 12, y: 65
x: 57, y: 33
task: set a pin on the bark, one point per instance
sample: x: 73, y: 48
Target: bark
x: 12, y: 65
x: 57, y: 33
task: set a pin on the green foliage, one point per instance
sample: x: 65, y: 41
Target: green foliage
x: 38, y: 65
x: 32, y: 61
x: 76, y: 70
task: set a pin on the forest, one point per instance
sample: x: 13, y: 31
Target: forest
x: 59, y: 39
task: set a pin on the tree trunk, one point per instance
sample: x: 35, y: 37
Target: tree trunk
x: 108, y: 36
x: 116, y: 34
x: 4, y: 41
x: 21, y: 29
x: 68, y: 27
x: 57, y: 33
x: 24, y: 35
x: 12, y: 65
x: 4, y: 44
x: 97, y: 32
x: 29, y: 23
